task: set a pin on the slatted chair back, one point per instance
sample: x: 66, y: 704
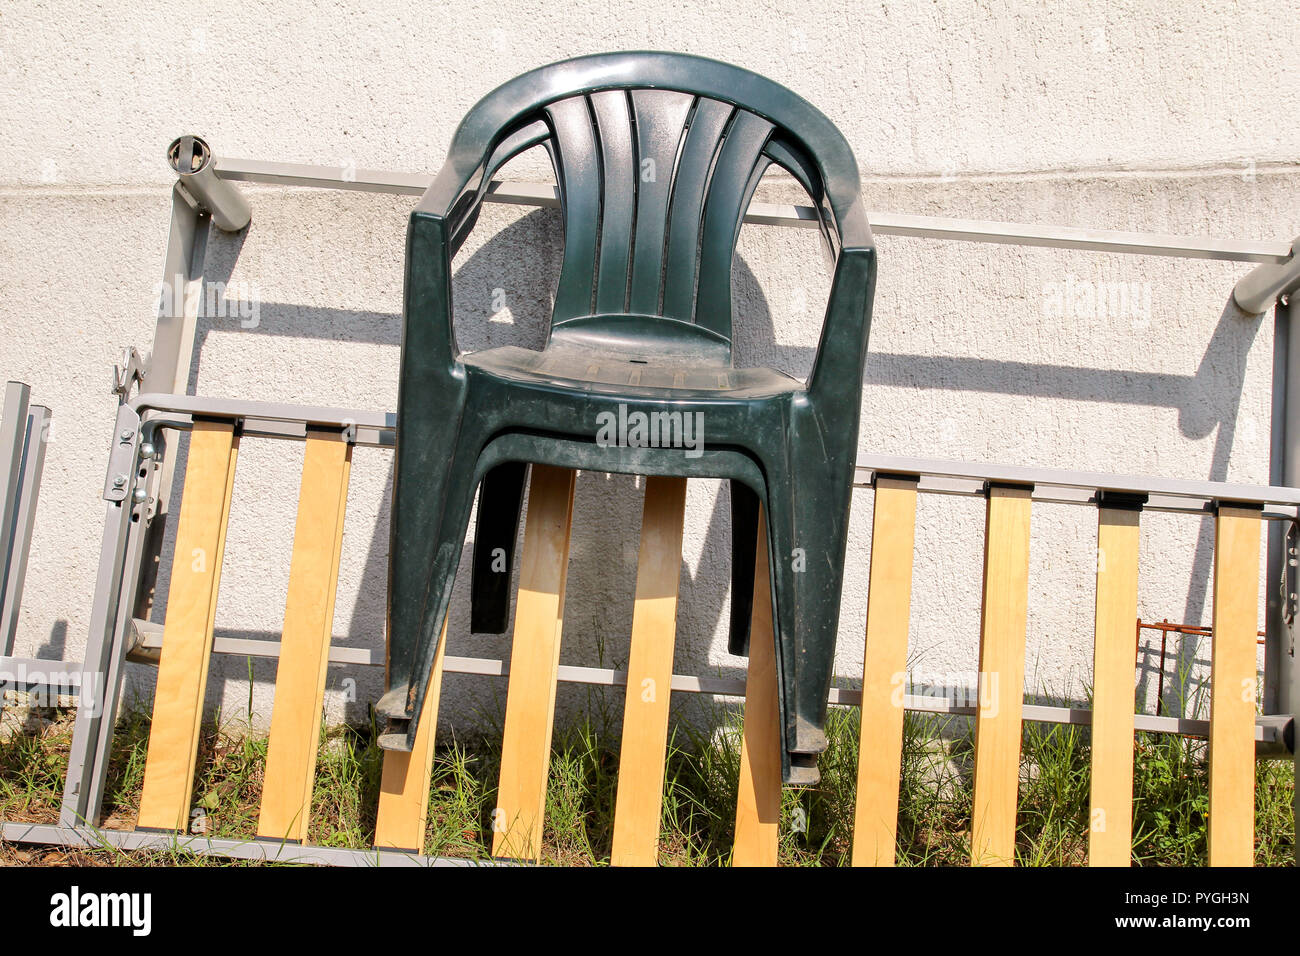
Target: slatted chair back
x: 656, y: 157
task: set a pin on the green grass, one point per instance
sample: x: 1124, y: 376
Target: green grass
x: 1170, y: 793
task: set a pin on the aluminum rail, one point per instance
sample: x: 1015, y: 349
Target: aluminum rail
x: 148, y: 637
x: 1066, y: 486
x: 278, y: 420
x: 263, y: 851
x: 1278, y: 274
x: 35, y: 674
x: 890, y: 224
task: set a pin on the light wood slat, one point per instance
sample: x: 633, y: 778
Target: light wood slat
x: 305, y: 644
x: 1001, y: 676
x: 758, y: 803
x: 406, y: 779
x: 534, y: 659
x: 1232, y: 687
x: 638, y: 804
x: 1110, y: 835
x: 884, y: 672
x: 187, y: 630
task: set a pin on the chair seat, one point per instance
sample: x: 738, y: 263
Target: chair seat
x: 631, y: 374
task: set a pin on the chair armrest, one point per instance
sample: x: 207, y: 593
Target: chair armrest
x: 454, y: 197
x: 841, y: 354
x: 457, y: 192
x: 439, y: 225
x: 852, y: 227
x: 428, y: 337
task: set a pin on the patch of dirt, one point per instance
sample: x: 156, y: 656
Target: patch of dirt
x: 14, y: 854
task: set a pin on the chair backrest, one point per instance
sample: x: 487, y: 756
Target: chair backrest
x: 656, y: 157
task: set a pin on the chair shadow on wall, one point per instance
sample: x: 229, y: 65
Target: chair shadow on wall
x: 598, y: 629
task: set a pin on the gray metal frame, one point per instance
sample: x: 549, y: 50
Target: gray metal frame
x: 139, y: 480
x: 23, y: 431
x: 262, y: 851
x: 13, y: 440
x: 148, y: 638
x: 778, y: 214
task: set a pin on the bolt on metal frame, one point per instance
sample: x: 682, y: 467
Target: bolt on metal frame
x: 140, y: 474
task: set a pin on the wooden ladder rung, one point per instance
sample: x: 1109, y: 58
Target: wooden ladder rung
x: 305, y: 644
x: 758, y: 799
x: 884, y: 669
x: 1001, y: 676
x: 518, y: 817
x: 1232, y: 686
x: 1110, y: 831
x: 187, y: 631
x: 638, y: 804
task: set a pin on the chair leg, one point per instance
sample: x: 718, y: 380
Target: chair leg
x: 744, y: 539
x: 500, y: 498
x: 807, y: 525
x: 432, y: 497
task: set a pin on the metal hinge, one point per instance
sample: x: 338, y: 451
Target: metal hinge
x: 128, y: 373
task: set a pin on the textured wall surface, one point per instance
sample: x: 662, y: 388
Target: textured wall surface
x: 1140, y: 115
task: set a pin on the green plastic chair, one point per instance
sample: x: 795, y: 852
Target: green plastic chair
x: 656, y: 157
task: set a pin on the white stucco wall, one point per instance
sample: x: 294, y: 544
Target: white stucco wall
x: 1141, y: 115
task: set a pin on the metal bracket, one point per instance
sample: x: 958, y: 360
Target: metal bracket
x: 128, y: 373
x: 1127, y: 500
x: 1260, y: 288
x: 1218, y: 503
x: 191, y: 159
x: 899, y: 476
x: 990, y: 484
x: 1287, y: 584
x: 123, y: 455
x: 1277, y: 739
